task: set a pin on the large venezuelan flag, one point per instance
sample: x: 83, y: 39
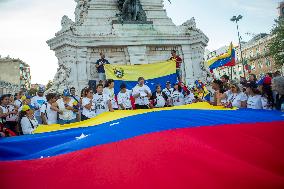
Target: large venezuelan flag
x: 155, y: 73
x: 183, y: 147
x: 226, y: 59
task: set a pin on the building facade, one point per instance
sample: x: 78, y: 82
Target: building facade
x: 15, y: 75
x: 256, y: 58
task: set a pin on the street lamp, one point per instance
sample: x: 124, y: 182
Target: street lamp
x: 237, y: 19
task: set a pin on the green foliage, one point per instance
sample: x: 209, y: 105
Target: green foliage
x: 49, y: 84
x: 276, y: 47
x: 32, y: 92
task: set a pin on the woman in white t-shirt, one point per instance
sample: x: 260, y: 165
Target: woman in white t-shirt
x: 123, y: 98
x: 102, y: 101
x: 109, y: 90
x: 265, y: 91
x: 49, y: 111
x: 254, y: 97
x: 177, y: 96
x: 27, y: 120
x: 66, y: 107
x: 141, y: 94
x: 159, y: 98
x: 235, y: 97
x: 88, y: 104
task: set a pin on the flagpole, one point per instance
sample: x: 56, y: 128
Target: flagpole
x: 237, y: 19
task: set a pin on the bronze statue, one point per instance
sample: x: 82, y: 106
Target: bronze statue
x: 131, y: 10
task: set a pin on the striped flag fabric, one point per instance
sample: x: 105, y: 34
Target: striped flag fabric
x: 191, y: 146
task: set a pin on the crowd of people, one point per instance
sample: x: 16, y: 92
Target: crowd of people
x: 21, y: 114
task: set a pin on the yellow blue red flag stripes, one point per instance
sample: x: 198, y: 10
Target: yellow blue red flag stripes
x: 176, y: 148
x: 226, y: 59
x: 155, y: 73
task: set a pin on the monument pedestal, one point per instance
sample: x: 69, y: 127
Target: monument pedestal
x: 78, y: 44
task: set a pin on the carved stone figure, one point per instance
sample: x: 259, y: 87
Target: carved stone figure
x: 66, y: 25
x: 189, y: 27
x: 190, y: 24
x: 81, y: 11
x: 61, y: 79
x: 131, y: 10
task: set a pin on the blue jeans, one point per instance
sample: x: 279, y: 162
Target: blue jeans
x: 63, y: 122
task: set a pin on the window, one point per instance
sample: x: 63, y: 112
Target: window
x: 260, y: 65
x: 267, y: 62
x: 251, y: 53
x: 253, y: 66
x: 257, y: 51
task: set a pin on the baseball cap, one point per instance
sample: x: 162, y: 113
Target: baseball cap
x: 40, y: 90
x: 25, y: 108
x: 66, y: 92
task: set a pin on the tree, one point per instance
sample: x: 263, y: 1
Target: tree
x: 32, y: 91
x: 276, y: 47
x: 49, y: 84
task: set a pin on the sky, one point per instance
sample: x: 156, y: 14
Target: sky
x: 26, y: 25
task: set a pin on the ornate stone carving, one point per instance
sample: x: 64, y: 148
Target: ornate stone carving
x: 81, y: 11
x: 131, y: 10
x: 66, y: 25
x: 189, y: 27
x: 61, y: 79
x: 130, y: 39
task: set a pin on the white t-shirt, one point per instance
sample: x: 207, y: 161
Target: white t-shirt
x: 91, y: 112
x: 37, y: 102
x: 168, y: 92
x: 18, y: 103
x: 177, y: 98
x: 101, y: 101
x: 51, y: 115
x: 228, y: 93
x: 4, y: 111
x: 237, y: 98
x: 28, y: 125
x: 264, y: 103
x: 160, y: 101
x: 142, y: 99
x: 124, y: 99
x: 254, y: 102
x: 189, y: 98
x: 67, y: 114
x: 11, y: 117
x: 110, y: 93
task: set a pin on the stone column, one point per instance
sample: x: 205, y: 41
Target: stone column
x: 137, y: 54
x: 188, y: 64
x: 81, y: 68
x: 198, y: 59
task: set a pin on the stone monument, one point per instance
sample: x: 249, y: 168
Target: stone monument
x: 128, y: 32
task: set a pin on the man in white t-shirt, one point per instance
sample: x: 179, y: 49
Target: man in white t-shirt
x: 141, y: 93
x: 37, y: 102
x: 49, y: 111
x: 102, y: 101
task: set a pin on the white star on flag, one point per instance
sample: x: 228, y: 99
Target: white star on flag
x: 113, y: 124
x: 82, y: 136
